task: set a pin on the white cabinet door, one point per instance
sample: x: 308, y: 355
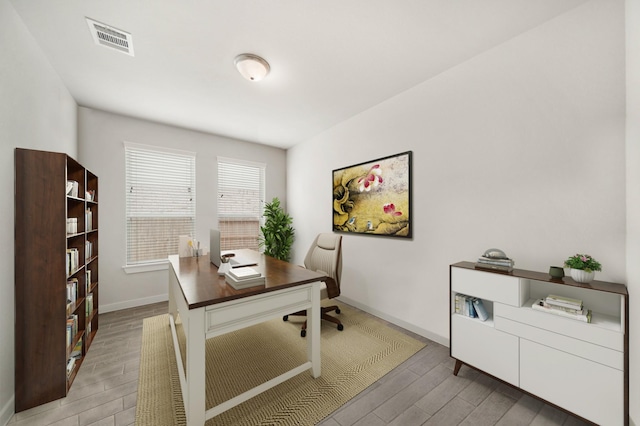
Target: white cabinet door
x: 592, y: 390
x: 482, y: 346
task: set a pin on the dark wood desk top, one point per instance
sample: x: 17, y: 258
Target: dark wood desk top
x: 202, y: 286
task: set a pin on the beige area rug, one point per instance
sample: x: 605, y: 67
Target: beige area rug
x: 352, y: 360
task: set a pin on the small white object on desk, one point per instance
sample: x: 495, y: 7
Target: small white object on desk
x: 243, y: 273
x: 239, y: 283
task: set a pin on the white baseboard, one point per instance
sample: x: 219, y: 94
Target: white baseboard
x: 400, y: 323
x: 8, y: 410
x: 103, y: 309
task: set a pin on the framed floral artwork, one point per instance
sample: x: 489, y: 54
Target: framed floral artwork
x: 374, y: 198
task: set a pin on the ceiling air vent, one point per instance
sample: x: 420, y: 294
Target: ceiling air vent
x: 110, y: 37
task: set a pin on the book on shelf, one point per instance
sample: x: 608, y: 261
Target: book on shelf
x: 243, y: 283
x: 89, y: 305
x: 72, y: 225
x: 495, y: 264
x: 88, y: 220
x: 88, y: 250
x: 495, y: 261
x: 72, y: 188
x: 244, y: 273
x: 73, y: 260
x: 70, y: 366
x: 565, y: 302
x: 466, y: 307
x: 565, y: 309
x: 480, y: 309
x: 491, y: 267
x: 471, y: 307
x: 77, y: 350
x: 539, y: 305
x: 87, y: 282
x: 72, y: 290
x: 72, y: 328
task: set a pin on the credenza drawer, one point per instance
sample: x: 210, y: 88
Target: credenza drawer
x: 486, y: 285
x: 593, y: 390
x: 597, y: 353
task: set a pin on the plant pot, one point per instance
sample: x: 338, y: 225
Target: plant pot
x: 582, y: 276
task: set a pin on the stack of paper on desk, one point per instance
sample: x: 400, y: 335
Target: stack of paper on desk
x: 244, y: 277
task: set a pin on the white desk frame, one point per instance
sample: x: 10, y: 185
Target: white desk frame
x: 213, y: 320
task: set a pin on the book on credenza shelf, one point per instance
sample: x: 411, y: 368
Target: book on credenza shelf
x: 565, y: 302
x: 539, y: 305
x: 480, y: 309
x: 562, y: 308
x: 471, y: 307
x: 243, y: 273
x: 244, y: 283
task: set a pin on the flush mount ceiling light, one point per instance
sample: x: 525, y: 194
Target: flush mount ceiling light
x: 252, y: 67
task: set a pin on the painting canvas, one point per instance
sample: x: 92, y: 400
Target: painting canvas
x: 374, y: 198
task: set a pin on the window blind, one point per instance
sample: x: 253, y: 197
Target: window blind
x: 240, y: 203
x: 161, y: 202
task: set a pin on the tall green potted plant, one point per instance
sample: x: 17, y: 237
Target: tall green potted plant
x: 277, y: 233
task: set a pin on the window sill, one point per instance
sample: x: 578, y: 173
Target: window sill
x: 146, y: 267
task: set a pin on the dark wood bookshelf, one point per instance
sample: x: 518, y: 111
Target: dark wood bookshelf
x: 42, y: 207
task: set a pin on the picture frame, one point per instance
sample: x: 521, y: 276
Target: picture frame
x: 374, y: 197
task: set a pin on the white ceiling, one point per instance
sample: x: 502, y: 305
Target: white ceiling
x: 330, y: 59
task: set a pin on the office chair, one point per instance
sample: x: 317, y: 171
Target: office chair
x: 325, y: 256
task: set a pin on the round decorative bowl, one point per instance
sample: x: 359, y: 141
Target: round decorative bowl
x: 582, y: 276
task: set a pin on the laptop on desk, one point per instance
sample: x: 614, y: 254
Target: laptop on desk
x: 215, y: 252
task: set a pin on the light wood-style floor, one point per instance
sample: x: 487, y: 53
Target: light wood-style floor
x: 421, y: 391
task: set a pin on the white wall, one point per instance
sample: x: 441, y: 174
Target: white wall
x: 633, y: 197
x: 101, y: 137
x: 36, y: 112
x: 520, y: 148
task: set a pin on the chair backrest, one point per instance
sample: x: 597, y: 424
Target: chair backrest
x: 325, y: 254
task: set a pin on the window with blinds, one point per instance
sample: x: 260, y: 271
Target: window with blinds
x: 161, y: 201
x: 240, y: 203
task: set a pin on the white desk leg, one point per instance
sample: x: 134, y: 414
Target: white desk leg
x: 173, y: 283
x: 196, y: 369
x: 313, y: 331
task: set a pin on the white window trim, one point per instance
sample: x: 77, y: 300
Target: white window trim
x: 147, y: 267
x: 135, y: 145
x: 157, y: 265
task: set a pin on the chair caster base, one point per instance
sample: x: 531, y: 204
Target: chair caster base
x: 337, y: 310
x: 285, y: 318
x: 340, y: 327
x: 303, y: 333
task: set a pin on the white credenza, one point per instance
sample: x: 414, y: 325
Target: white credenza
x: 580, y: 367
